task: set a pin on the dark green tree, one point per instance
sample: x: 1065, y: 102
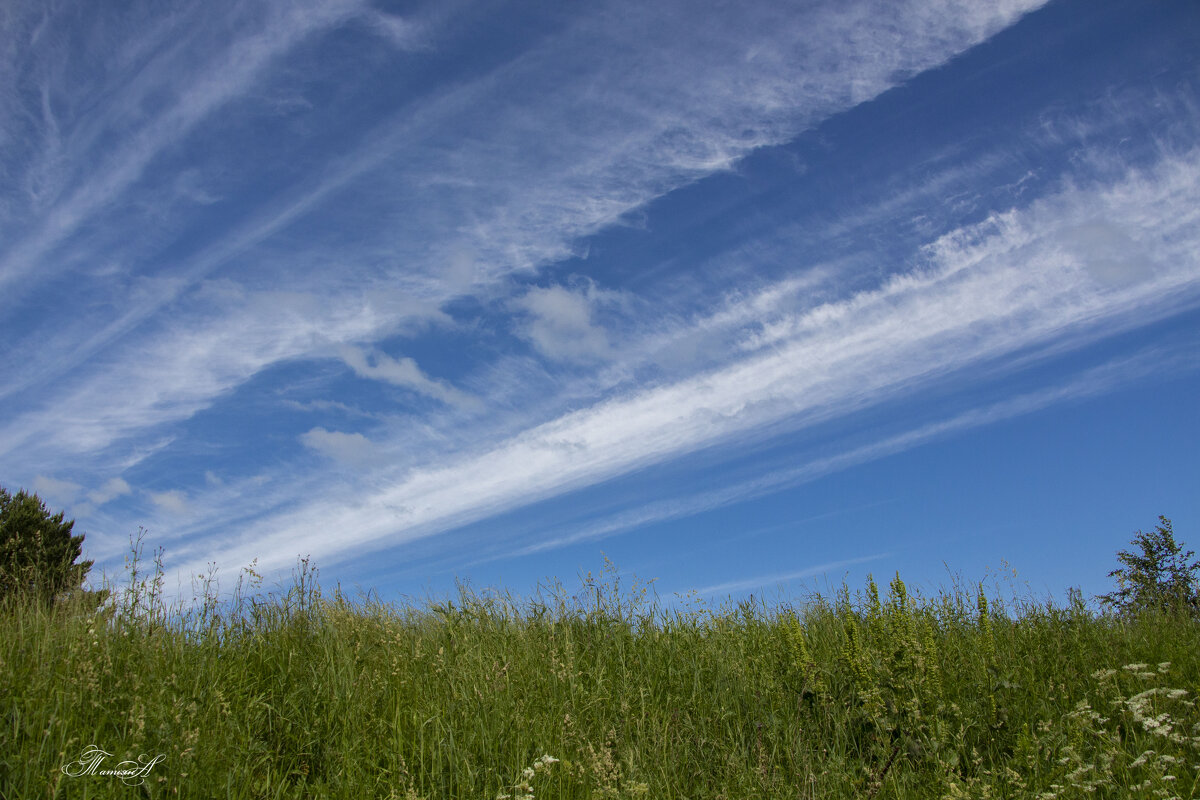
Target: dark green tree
x: 1158, y: 574
x: 38, y: 554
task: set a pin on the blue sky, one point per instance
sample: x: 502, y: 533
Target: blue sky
x: 745, y: 296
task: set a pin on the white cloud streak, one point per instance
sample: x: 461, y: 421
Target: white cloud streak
x: 698, y: 96
x: 190, y: 362
x: 228, y: 74
x: 405, y: 373
x: 1017, y: 281
x: 769, y: 581
x: 1090, y: 383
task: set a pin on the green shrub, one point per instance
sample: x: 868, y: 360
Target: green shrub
x: 1158, y: 576
x: 38, y: 554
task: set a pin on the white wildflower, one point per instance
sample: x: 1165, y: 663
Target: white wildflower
x: 1079, y: 772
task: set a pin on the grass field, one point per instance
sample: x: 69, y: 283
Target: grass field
x: 599, y: 693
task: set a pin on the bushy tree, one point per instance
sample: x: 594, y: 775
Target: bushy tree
x: 37, y: 551
x: 1157, y: 575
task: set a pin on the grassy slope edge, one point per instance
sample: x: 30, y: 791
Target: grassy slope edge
x: 604, y: 694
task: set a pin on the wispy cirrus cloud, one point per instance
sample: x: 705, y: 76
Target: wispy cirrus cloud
x: 185, y: 364
x: 767, y: 582
x: 996, y: 289
x: 151, y: 68
x: 1090, y: 383
x: 405, y: 373
x: 772, y: 477
x: 242, y: 215
x: 518, y: 198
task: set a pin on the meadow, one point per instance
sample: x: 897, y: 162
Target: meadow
x: 600, y: 692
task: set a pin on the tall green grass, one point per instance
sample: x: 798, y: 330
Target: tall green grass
x: 602, y: 694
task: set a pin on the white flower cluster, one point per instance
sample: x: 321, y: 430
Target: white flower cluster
x: 1143, y: 670
x: 1141, y: 706
x: 1159, y: 711
x: 523, y: 790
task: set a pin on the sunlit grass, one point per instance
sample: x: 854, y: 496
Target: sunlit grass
x: 602, y: 694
